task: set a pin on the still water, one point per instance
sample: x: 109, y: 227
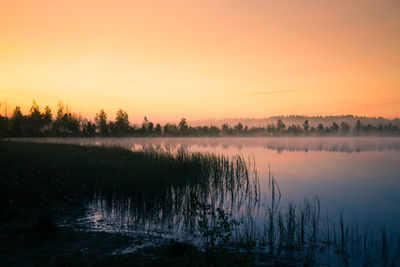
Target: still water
x: 359, y: 176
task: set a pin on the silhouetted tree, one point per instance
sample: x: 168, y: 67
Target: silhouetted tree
x: 239, y: 128
x: 101, y: 122
x: 320, y: 129
x: 214, y: 131
x: 60, y: 110
x: 294, y: 129
x: 150, y: 128
x: 145, y: 126
x: 88, y: 128
x: 47, y: 119
x: 67, y: 123
x: 183, y: 126
x: 157, y: 130
x: 58, y: 123
x: 111, y: 128
x: 258, y: 131
x: 358, y: 127
x: 246, y: 130
x: 225, y: 129
x: 391, y: 129
x: 306, y: 127
x: 271, y: 129
x: 71, y: 123
x: 344, y: 128
x: 3, y: 126
x: 170, y: 129
x: 16, y: 122
x: 369, y: 129
x: 280, y: 126
x: 91, y: 128
x: 35, y: 120
x: 121, y: 122
x: 334, y: 129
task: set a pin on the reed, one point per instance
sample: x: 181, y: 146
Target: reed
x: 220, y: 200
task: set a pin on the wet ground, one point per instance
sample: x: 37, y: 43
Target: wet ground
x: 33, y: 239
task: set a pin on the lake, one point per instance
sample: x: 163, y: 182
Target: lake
x: 357, y: 175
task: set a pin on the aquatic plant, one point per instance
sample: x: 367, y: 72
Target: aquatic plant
x: 221, y: 200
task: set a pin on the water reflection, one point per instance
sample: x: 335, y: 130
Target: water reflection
x: 358, y: 174
x: 358, y: 177
x: 279, y: 144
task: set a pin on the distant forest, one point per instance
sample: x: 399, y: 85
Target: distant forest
x: 299, y: 119
x: 65, y: 123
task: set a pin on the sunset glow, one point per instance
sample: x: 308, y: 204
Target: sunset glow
x: 202, y: 59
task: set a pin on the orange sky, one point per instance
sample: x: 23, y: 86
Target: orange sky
x: 202, y: 59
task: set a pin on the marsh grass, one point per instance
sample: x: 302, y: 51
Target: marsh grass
x: 31, y: 173
x: 220, y: 200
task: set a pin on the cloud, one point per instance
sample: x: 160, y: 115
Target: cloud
x: 268, y: 92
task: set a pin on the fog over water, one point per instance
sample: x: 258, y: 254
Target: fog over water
x: 360, y: 175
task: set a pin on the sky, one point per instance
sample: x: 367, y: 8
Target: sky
x: 202, y: 59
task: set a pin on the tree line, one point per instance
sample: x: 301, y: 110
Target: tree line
x: 39, y: 123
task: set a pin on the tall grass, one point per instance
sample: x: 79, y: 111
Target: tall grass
x: 220, y: 200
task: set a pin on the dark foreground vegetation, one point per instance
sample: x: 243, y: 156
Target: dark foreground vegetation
x: 66, y: 123
x: 217, y: 201
x: 44, y: 184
